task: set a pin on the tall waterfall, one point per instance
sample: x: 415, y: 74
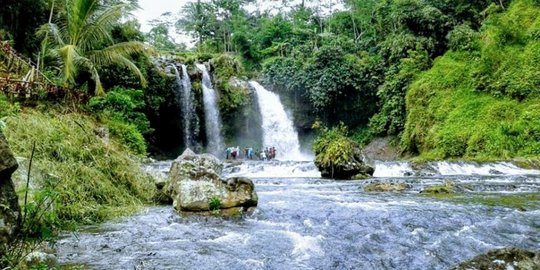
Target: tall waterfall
x: 211, y: 114
x: 278, y: 130
x: 188, y: 109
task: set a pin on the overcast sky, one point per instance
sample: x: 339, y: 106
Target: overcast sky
x: 152, y: 9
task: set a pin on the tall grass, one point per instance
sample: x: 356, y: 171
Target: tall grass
x: 97, y: 179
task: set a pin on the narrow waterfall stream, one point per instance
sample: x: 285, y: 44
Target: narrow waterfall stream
x: 187, y: 103
x: 211, y: 114
x: 305, y: 222
x: 277, y: 127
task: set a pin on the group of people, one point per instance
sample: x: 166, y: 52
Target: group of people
x: 248, y: 153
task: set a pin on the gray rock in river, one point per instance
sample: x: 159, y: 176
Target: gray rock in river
x: 503, y: 259
x: 194, y: 181
x: 9, y: 205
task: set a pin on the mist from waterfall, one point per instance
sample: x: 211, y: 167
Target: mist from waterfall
x: 277, y: 127
x: 211, y: 114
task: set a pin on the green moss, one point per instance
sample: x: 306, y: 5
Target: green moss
x: 385, y: 187
x: 446, y: 188
x: 97, y: 180
x: 527, y: 201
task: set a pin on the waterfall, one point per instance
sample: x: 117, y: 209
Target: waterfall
x: 277, y: 127
x: 188, y: 109
x: 211, y: 114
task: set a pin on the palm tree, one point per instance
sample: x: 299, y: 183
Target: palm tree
x: 82, y: 41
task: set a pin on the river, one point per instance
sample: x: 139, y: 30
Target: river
x: 311, y: 223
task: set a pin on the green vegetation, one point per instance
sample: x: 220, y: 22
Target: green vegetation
x: 215, y: 203
x: 333, y: 146
x: 97, y: 178
x: 480, y: 101
x: 82, y: 41
x: 119, y: 109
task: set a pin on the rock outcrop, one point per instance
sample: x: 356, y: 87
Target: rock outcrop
x: 9, y: 205
x: 353, y: 168
x: 503, y: 259
x: 195, y: 185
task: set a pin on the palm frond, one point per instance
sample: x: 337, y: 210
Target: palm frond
x: 124, y: 61
x: 53, y: 31
x: 69, y: 57
x: 100, y: 28
x: 98, y: 91
x: 108, y: 55
x: 79, y: 14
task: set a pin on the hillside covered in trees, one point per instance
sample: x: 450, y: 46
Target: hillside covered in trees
x: 368, y: 66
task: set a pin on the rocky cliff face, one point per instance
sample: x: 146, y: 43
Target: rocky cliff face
x: 195, y: 185
x: 9, y: 206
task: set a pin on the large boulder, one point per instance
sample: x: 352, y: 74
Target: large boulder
x: 195, y: 185
x: 9, y: 205
x: 502, y: 259
x: 354, y: 168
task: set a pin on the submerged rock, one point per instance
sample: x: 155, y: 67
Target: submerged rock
x: 195, y: 185
x: 446, y: 188
x: 386, y: 187
x: 9, y: 205
x: 503, y: 259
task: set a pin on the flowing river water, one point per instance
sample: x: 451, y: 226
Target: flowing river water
x: 305, y: 222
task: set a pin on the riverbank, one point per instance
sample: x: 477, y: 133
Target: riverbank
x: 81, y: 173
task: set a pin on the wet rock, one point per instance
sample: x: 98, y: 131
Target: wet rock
x: 495, y: 172
x: 195, y: 185
x: 445, y: 188
x: 381, y: 149
x: 386, y: 187
x: 354, y: 168
x: 38, y: 259
x: 160, y: 180
x: 503, y: 259
x: 424, y: 169
x: 9, y: 205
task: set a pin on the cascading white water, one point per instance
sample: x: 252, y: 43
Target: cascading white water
x: 211, y: 114
x: 188, y: 109
x: 446, y: 168
x: 277, y: 127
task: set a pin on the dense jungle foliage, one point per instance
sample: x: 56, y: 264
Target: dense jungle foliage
x: 481, y: 99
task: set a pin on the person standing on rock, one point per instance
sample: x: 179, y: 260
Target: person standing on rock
x: 227, y: 152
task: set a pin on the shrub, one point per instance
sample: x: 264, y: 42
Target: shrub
x: 332, y: 146
x: 123, y: 104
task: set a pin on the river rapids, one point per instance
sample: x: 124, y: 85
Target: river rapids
x: 305, y: 222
